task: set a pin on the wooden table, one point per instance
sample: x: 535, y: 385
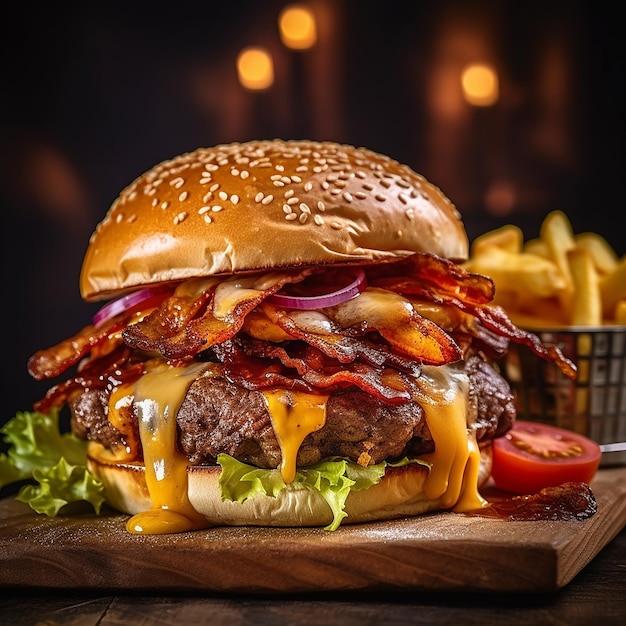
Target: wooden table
x: 86, y: 570
x: 597, y: 595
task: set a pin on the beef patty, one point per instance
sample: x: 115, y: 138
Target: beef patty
x: 218, y: 416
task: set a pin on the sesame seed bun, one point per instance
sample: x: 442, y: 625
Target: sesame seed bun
x: 266, y: 204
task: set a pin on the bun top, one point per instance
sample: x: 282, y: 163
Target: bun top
x: 263, y: 205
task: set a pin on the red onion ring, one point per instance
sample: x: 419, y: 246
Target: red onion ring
x: 129, y: 301
x: 308, y: 303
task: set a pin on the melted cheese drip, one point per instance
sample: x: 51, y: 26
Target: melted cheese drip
x: 294, y: 415
x: 455, y: 462
x: 158, y: 396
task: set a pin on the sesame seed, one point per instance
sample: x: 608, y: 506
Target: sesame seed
x: 207, y: 218
x: 119, y: 218
x: 155, y: 201
x: 293, y: 200
x: 280, y: 168
x: 275, y: 177
x: 347, y: 196
x: 303, y: 218
x: 279, y: 183
x: 302, y: 168
x: 296, y: 179
x: 291, y: 216
x: 177, y: 182
x: 132, y: 218
x: 223, y: 195
x: 234, y: 199
x: 380, y: 197
x: 234, y: 171
x: 165, y: 204
x: 336, y: 191
x: 385, y: 183
x: 244, y: 174
x: 368, y: 186
x: 321, y: 206
x: 286, y: 208
x: 205, y: 180
x: 289, y: 193
x: 216, y: 208
x: 267, y: 199
x: 258, y: 197
x: 214, y: 187
x: 183, y: 196
x: 318, y: 219
x: 207, y: 197
x: 202, y: 210
x: 403, y: 198
x: 335, y: 225
x: 181, y: 217
x: 304, y: 207
x: 308, y: 186
x: 325, y: 185
x: 360, y: 195
x: 286, y: 180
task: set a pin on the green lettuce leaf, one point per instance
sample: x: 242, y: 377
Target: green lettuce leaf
x: 333, y: 479
x: 56, y: 463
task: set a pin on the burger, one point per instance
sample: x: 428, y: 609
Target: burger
x: 289, y: 338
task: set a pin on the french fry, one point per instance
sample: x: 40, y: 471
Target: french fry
x: 586, y: 299
x: 556, y: 231
x: 604, y: 257
x: 519, y: 272
x: 620, y: 313
x: 508, y: 237
x: 557, y: 279
x: 537, y: 246
x: 613, y: 288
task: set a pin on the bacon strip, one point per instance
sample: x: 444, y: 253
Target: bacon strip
x: 246, y: 362
x: 189, y: 334
x: 52, y: 362
x: 414, y: 274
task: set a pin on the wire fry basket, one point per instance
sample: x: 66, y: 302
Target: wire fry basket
x: 595, y: 403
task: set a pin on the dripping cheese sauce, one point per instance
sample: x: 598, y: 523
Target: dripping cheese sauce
x: 158, y: 395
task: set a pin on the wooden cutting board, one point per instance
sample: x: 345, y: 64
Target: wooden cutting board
x: 442, y: 551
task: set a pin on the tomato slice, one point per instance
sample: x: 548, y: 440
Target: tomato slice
x: 533, y: 455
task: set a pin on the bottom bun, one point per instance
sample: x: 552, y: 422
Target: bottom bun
x: 399, y: 494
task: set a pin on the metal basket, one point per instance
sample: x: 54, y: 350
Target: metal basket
x: 595, y: 403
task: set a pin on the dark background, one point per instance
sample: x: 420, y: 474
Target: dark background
x: 96, y: 93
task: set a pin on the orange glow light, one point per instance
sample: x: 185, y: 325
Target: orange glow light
x: 255, y: 68
x: 480, y: 85
x: 297, y: 27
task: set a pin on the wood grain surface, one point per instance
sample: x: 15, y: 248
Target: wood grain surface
x: 442, y: 551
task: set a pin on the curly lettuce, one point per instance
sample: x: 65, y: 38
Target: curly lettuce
x: 54, y: 463
x: 333, y: 479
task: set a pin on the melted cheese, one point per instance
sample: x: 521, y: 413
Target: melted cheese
x: 158, y: 396
x: 453, y: 476
x: 294, y: 415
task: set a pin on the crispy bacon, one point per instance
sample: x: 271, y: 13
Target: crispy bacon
x: 435, y: 279
x: 108, y: 371
x: 255, y: 365
x: 52, y: 362
x: 372, y: 341
x: 186, y: 334
x: 415, y: 274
